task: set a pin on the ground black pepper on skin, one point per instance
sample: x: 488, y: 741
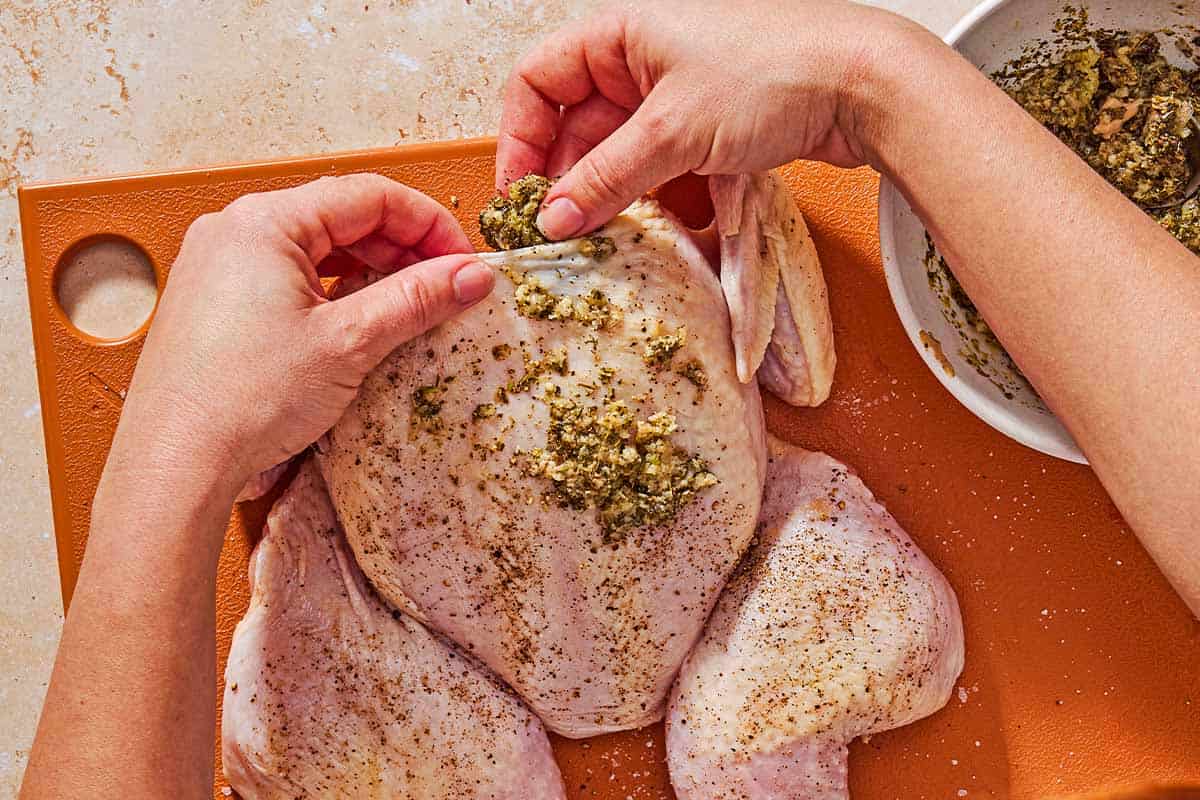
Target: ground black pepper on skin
x: 490, y: 563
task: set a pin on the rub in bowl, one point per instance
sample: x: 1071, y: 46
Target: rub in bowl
x: 992, y: 35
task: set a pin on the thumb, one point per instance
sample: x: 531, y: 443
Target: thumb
x: 380, y: 317
x: 647, y: 150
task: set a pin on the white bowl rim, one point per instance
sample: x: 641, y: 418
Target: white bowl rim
x: 982, y: 405
x: 972, y: 18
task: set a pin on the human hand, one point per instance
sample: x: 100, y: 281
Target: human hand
x: 247, y: 362
x: 652, y: 91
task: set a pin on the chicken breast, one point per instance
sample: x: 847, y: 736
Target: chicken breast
x: 835, y: 626
x: 331, y: 694
x: 561, y: 479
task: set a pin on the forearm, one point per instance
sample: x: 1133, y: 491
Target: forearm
x: 1094, y: 301
x: 215, y: 400
x: 130, y: 703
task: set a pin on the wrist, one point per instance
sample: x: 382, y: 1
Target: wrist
x: 166, y: 430
x: 150, y: 509
x: 168, y: 456
x: 890, y: 86
x: 147, y: 473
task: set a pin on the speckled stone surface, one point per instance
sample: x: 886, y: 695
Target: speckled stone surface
x: 93, y: 87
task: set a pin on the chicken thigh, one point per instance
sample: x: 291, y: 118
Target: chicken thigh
x: 562, y: 479
x: 835, y: 626
x: 331, y: 694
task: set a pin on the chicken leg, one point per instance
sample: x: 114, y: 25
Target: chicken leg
x: 834, y: 626
x: 331, y: 694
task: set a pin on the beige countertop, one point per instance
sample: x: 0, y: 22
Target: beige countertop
x: 94, y: 87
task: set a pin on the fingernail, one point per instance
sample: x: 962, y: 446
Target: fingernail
x: 561, y: 219
x: 472, y: 282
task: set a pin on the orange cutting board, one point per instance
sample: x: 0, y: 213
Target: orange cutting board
x: 1083, y: 668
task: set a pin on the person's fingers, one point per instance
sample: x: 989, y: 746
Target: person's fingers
x: 444, y: 236
x: 384, y: 255
x: 527, y: 131
x: 583, y: 127
x: 339, y: 211
x: 577, y: 61
x: 381, y: 253
x: 652, y: 147
x: 369, y: 323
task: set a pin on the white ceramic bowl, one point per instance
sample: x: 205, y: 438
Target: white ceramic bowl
x: 989, y: 36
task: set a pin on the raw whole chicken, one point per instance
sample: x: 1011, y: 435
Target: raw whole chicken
x: 562, y: 479
x: 834, y: 626
x: 330, y: 693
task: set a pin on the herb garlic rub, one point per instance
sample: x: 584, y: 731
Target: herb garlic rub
x: 597, y: 455
x: 508, y: 223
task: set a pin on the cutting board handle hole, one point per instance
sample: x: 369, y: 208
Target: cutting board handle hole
x: 106, y: 287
